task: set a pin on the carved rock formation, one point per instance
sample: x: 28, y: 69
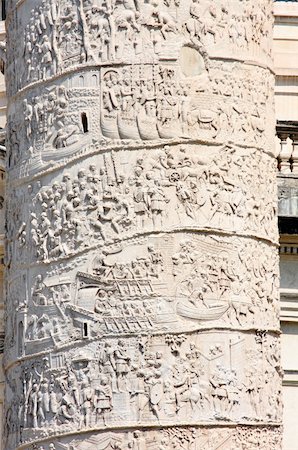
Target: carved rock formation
x: 142, y: 264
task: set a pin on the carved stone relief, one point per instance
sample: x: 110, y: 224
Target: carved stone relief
x: 56, y: 36
x: 142, y: 265
x: 123, y: 193
x: 181, y: 282
x: 138, y: 105
x: 191, y: 438
x: 170, y: 379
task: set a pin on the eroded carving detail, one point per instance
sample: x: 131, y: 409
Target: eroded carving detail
x: 142, y: 268
x: 214, y: 376
x: 54, y: 37
x: 119, y: 194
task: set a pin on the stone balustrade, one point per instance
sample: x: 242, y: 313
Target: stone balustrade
x: 287, y: 148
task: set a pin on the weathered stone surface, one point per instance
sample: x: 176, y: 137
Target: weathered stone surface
x: 142, y: 266
x: 188, y: 438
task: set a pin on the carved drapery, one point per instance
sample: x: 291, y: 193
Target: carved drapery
x: 142, y: 265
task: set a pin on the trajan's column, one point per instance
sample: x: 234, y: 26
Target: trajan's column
x: 142, y: 265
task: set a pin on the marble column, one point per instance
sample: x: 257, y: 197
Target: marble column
x: 142, y: 263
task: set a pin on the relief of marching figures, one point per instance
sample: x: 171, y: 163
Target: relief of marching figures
x: 159, y: 380
x: 139, y: 104
x: 178, y: 438
x: 150, y: 285
x: 58, y: 35
x: 122, y: 194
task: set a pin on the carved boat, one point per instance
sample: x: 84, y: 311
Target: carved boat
x: 147, y: 128
x: 169, y: 132
x: 128, y: 128
x: 212, y: 313
x: 109, y: 127
x: 51, y: 154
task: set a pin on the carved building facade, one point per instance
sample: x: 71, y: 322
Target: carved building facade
x: 142, y: 243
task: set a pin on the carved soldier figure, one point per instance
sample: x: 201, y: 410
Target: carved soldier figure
x: 122, y: 361
x: 220, y: 394
x: 157, y: 203
x: 107, y: 364
x: 139, y: 441
x: 44, y: 401
x: 87, y: 397
x: 234, y: 390
x: 103, y: 400
x: 253, y: 388
x: 53, y: 401
x: 47, y: 58
x: 140, y: 202
x: 68, y: 411
x: 73, y: 387
x: 169, y: 398
x: 33, y: 405
x: 28, y: 114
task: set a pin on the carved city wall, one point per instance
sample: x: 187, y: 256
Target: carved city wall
x: 142, y: 266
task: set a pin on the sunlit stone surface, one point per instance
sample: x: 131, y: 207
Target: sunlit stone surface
x: 142, y: 280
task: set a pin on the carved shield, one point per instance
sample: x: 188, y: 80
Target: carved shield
x: 156, y: 393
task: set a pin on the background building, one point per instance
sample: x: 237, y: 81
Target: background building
x: 286, y: 97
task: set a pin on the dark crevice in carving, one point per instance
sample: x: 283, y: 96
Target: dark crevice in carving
x: 84, y: 122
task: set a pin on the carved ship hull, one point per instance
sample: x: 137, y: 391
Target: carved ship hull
x: 81, y: 141
x: 169, y: 132
x: 212, y: 313
x: 109, y: 128
x: 147, y: 128
x: 128, y: 129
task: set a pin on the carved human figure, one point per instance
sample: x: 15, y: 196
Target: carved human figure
x: 107, y: 363
x: 139, y: 441
x: 33, y: 405
x: 68, y: 411
x: 103, y: 399
x: 220, y: 394
x: 253, y: 387
x: 87, y: 397
x: 122, y: 361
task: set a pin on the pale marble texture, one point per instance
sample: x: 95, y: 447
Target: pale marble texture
x: 142, y: 268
